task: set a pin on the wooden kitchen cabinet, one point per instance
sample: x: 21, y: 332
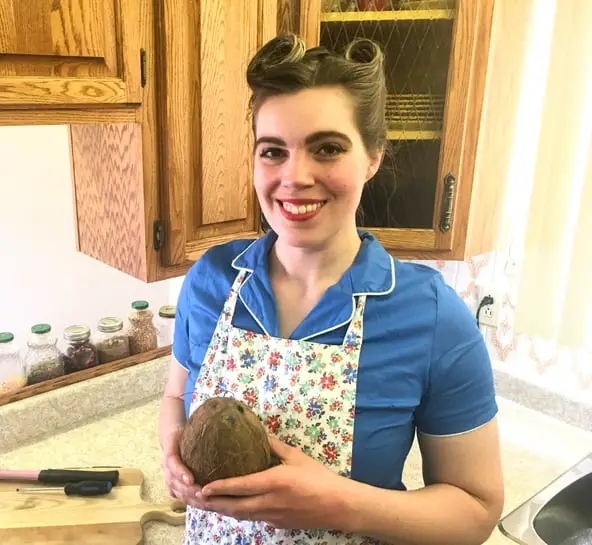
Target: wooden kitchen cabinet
x: 428, y: 200
x: 152, y: 196
x: 164, y: 174
x: 71, y: 52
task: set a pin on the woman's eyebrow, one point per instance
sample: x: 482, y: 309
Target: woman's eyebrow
x: 322, y: 135
x: 270, y: 140
x: 310, y: 139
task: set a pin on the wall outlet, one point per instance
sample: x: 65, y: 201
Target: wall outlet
x: 511, y: 268
x: 489, y: 314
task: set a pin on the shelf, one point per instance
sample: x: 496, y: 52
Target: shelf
x: 421, y: 113
x: 394, y: 15
x: 413, y: 135
x: 86, y: 374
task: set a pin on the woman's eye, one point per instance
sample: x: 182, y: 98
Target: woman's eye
x: 272, y: 153
x: 330, y: 150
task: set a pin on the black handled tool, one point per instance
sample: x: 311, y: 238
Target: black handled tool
x: 83, y: 488
x: 60, y: 476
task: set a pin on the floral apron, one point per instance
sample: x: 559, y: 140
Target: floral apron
x: 304, y: 393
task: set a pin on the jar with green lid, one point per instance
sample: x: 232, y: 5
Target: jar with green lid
x: 111, y: 340
x: 12, y: 368
x: 43, y: 359
x: 166, y: 325
x: 80, y: 353
x: 143, y: 335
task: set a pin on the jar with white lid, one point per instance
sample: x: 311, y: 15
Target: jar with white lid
x: 43, y: 360
x: 111, y: 340
x: 80, y: 353
x: 12, y: 367
x: 166, y: 325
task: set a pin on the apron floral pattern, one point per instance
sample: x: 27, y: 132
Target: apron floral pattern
x: 304, y: 393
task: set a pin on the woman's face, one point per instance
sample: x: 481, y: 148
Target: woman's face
x: 310, y: 165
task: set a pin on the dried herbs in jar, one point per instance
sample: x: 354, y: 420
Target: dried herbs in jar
x: 43, y: 360
x: 111, y: 341
x: 80, y: 353
x: 143, y: 334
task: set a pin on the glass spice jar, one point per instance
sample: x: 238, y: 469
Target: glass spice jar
x: 12, y: 368
x: 166, y: 325
x: 80, y: 353
x: 142, y: 331
x: 43, y: 359
x: 111, y: 341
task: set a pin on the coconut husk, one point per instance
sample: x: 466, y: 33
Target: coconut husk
x: 224, y: 438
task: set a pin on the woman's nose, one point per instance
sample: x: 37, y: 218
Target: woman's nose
x: 297, y: 171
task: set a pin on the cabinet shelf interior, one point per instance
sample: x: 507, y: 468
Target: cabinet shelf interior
x: 413, y: 135
x: 415, y: 112
x: 403, y: 192
x: 394, y: 15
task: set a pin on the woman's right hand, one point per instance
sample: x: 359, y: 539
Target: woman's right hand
x: 178, y: 478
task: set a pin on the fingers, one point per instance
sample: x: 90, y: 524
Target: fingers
x: 179, y: 470
x: 279, y: 448
x: 178, y: 477
x: 186, y: 491
x: 249, y: 485
x: 238, y: 508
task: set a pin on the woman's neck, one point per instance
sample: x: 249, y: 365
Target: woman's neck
x: 314, y: 268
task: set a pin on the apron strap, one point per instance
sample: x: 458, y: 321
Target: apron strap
x: 227, y: 313
x: 355, y: 330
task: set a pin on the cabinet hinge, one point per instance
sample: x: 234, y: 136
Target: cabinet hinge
x: 143, y: 67
x: 158, y: 235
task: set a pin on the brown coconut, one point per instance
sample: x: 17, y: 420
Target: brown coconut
x: 224, y: 438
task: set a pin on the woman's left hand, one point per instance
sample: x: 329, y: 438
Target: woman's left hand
x: 300, y: 493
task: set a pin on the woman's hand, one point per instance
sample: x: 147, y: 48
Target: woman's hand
x: 300, y: 493
x: 178, y: 478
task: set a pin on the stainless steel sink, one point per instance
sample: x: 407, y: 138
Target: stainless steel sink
x: 560, y: 514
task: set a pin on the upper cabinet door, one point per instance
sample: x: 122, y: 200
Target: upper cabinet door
x: 207, y: 144
x: 435, y: 61
x: 71, y: 52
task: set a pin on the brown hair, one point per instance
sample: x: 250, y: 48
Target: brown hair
x: 284, y: 66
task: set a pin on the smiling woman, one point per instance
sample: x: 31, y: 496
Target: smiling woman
x: 342, y: 351
x: 304, y: 171
x: 283, y: 77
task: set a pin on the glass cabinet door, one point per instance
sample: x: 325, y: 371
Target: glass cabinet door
x: 416, y: 37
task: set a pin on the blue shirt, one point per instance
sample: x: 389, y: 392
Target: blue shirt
x: 423, y: 365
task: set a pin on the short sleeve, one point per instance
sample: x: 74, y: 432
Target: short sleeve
x: 180, y: 348
x: 460, y: 393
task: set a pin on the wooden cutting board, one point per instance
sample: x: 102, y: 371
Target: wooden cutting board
x: 56, y: 519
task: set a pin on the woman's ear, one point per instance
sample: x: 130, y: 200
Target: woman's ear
x: 374, y: 165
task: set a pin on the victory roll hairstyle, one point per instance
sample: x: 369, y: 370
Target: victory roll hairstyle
x: 284, y: 66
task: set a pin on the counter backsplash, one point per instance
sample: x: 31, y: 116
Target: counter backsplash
x: 532, y: 360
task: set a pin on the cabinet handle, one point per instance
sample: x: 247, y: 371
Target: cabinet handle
x: 447, y: 203
x: 143, y: 67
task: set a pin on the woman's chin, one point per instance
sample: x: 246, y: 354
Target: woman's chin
x: 298, y: 237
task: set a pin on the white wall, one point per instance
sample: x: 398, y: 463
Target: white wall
x: 42, y: 277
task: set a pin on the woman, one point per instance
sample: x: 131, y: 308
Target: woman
x: 343, y: 351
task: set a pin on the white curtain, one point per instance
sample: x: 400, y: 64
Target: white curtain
x: 554, y: 296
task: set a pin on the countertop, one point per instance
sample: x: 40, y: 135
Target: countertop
x: 535, y: 449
